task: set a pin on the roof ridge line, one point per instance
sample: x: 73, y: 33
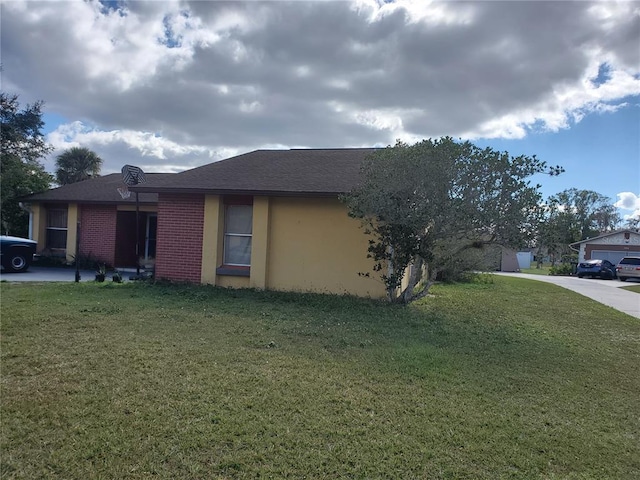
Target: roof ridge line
x: 335, y: 148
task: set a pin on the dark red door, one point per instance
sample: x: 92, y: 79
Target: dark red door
x: 126, y: 239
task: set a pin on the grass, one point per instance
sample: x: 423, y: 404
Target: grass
x: 505, y: 378
x: 543, y: 270
x: 632, y: 288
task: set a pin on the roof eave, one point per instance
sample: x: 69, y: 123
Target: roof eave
x: 221, y: 191
x: 92, y: 202
x: 604, y: 235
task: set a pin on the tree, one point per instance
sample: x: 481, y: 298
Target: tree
x: 21, y: 173
x: 606, y: 218
x: 632, y: 222
x: 590, y: 212
x: 557, y: 231
x: 426, y: 204
x: 573, y: 215
x: 77, y: 164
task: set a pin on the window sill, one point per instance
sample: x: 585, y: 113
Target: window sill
x: 233, y: 271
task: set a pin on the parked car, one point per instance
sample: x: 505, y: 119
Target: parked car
x: 16, y: 254
x: 629, y: 267
x: 597, y: 268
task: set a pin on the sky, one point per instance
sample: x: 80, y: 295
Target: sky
x: 170, y: 85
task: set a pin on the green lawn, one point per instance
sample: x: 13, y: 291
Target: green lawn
x: 543, y: 270
x: 632, y: 288
x: 506, y: 378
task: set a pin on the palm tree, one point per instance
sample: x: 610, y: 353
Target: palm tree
x: 77, y: 164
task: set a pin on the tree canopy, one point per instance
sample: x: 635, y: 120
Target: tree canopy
x: 425, y: 204
x: 573, y: 215
x: 77, y: 164
x: 22, y: 144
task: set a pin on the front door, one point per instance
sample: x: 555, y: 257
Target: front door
x: 126, y: 239
x: 126, y: 256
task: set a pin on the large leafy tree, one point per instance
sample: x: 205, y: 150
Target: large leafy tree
x: 22, y: 145
x: 591, y: 212
x: 77, y: 164
x: 557, y: 231
x: 573, y: 215
x: 426, y: 204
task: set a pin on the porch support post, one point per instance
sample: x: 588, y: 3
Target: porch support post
x: 72, y: 233
x: 39, y: 219
x: 212, y: 238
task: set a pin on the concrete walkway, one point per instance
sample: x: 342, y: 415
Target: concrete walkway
x: 53, y: 274
x: 608, y: 292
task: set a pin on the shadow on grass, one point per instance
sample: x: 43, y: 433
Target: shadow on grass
x: 451, y: 327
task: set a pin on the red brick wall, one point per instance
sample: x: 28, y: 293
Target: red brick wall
x: 98, y: 232
x: 179, y: 244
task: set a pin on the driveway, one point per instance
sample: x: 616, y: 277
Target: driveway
x: 608, y: 292
x: 52, y: 274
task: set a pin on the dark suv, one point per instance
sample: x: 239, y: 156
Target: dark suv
x: 16, y: 253
x: 629, y: 267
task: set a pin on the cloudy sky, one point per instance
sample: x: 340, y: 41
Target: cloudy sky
x: 168, y: 85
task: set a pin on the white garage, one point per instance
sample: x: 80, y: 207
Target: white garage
x: 612, y: 246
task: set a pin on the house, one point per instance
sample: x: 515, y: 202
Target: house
x: 268, y: 219
x: 612, y: 246
x: 105, y: 222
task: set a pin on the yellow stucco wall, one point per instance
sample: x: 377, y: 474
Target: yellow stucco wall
x: 39, y: 219
x: 212, y: 237
x: 72, y: 231
x: 315, y: 246
x: 39, y: 225
x: 298, y: 244
x: 261, y: 234
x: 232, y: 282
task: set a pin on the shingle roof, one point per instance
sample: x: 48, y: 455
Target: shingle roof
x: 97, y: 190
x: 279, y: 172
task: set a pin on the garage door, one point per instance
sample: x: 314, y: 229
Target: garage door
x: 613, y: 256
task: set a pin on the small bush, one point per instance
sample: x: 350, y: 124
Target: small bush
x: 49, y: 259
x: 461, y: 267
x: 562, y: 269
x: 89, y: 261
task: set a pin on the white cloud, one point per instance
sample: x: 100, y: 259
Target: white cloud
x: 117, y: 147
x: 212, y: 77
x: 629, y: 201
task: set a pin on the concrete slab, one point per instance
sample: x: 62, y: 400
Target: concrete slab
x: 52, y: 274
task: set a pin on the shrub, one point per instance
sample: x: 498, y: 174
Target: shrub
x: 461, y: 267
x: 562, y: 269
x: 50, y: 259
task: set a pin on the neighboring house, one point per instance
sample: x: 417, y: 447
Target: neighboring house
x: 268, y: 219
x: 105, y: 221
x: 611, y: 246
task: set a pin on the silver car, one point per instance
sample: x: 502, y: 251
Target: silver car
x: 629, y: 267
